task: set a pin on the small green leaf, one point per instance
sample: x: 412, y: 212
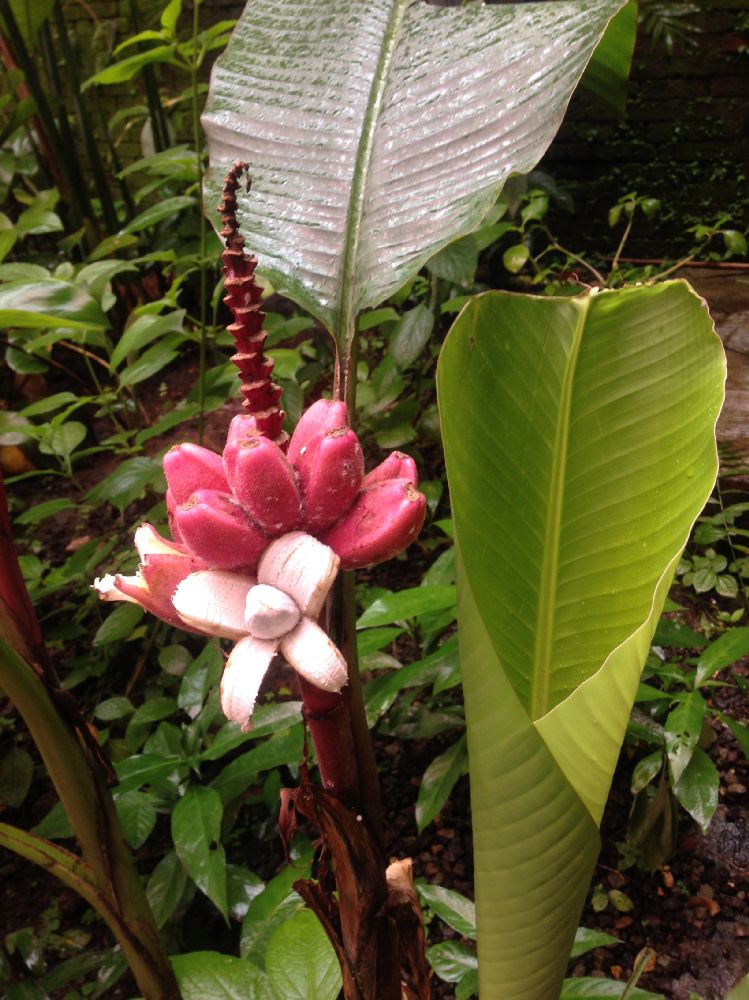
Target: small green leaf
x: 128, y: 482
x: 726, y: 650
x: 119, y: 625
x: 242, y: 886
x: 515, y: 258
x: 281, y: 748
x: 645, y: 771
x: 196, y: 832
x: 620, y: 901
x: 165, y: 887
x: 144, y: 330
x: 457, y: 262
x: 697, y: 788
x: 151, y: 362
x: 169, y: 208
x: 137, y: 816
x: 16, y: 772
x: 586, y: 940
x: 209, y: 975
x: 62, y: 440
x: 411, y: 336
x: 269, y: 909
x: 439, y: 780
x: 40, y: 511
x: 407, y: 604
x: 457, y: 911
x: 113, y: 708
x: 126, y: 69
x: 300, y: 961
x: 451, y: 960
x: 602, y: 989
x: 674, y: 634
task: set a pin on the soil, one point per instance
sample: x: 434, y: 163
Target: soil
x: 692, y: 911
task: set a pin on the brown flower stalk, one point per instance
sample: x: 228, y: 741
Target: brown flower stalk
x: 261, y: 394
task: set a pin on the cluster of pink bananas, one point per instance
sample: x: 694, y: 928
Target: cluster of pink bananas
x: 226, y: 509
x: 259, y: 538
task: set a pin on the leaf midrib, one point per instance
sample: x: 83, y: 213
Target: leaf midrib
x: 344, y: 321
x: 545, y: 618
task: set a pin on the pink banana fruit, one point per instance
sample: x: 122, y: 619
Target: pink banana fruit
x: 384, y: 520
x: 265, y: 484
x: 188, y: 467
x: 395, y: 466
x: 323, y: 416
x: 214, y: 527
x: 331, y: 470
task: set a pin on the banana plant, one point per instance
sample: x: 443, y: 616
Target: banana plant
x: 575, y: 472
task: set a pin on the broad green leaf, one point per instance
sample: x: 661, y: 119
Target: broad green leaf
x: 242, y: 886
x: 607, y: 74
x: 380, y: 132
x: 158, y: 356
x: 457, y: 911
x: 407, y: 604
x: 575, y: 476
x: 147, y: 769
x: 209, y: 975
x: 114, y: 708
x: 726, y: 650
x: 439, y: 780
x: 50, y: 303
x: 671, y: 633
x: 300, y: 961
x: 196, y: 832
x: 457, y: 262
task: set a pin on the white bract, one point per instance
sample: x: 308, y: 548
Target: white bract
x: 275, y: 613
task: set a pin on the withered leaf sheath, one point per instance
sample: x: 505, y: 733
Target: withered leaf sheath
x: 261, y: 394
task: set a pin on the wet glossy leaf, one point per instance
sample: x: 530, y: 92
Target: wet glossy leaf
x: 169, y: 208
x: 50, y: 303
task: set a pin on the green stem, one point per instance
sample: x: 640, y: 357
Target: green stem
x: 196, y: 61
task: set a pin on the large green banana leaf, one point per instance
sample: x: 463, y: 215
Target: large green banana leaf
x: 378, y: 131
x: 580, y: 446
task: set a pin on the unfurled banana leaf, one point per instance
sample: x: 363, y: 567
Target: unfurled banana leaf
x: 580, y: 447
x: 378, y: 132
